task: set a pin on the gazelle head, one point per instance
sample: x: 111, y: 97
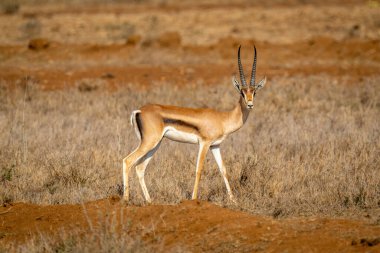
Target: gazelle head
x: 248, y: 92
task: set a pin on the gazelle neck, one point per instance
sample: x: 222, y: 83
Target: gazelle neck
x: 237, y: 116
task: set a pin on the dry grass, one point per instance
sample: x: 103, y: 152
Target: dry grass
x: 107, y: 235
x: 310, y: 146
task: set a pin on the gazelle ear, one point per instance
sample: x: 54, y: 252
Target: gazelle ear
x: 236, y: 84
x: 261, y: 83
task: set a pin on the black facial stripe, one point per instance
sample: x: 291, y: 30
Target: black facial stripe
x: 181, y: 123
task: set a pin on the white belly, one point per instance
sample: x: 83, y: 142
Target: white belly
x: 175, y: 135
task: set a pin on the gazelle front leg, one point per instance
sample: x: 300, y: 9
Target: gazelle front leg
x: 218, y: 158
x: 203, y: 148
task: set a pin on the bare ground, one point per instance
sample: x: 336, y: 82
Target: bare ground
x: 191, y: 226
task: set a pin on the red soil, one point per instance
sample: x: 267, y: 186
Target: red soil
x: 193, y: 225
x: 317, y: 53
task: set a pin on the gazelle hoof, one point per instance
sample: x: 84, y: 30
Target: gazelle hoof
x: 125, y: 199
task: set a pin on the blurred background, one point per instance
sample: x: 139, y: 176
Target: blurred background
x: 71, y: 72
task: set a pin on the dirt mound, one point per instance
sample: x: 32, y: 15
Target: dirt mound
x: 38, y: 44
x: 195, y: 225
x: 166, y: 40
x: 133, y: 40
x: 169, y: 39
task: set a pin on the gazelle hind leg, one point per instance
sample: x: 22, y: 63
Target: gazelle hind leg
x: 219, y: 161
x: 128, y: 163
x: 140, y: 171
x: 133, y: 159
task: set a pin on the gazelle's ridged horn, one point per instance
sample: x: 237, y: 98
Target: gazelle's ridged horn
x: 241, y: 72
x: 253, y: 74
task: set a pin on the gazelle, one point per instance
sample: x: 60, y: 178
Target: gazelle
x: 206, y: 127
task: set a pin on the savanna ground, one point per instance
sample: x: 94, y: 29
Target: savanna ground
x: 305, y: 168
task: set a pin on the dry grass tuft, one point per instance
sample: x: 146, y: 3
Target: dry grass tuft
x: 107, y: 235
x: 310, y: 146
